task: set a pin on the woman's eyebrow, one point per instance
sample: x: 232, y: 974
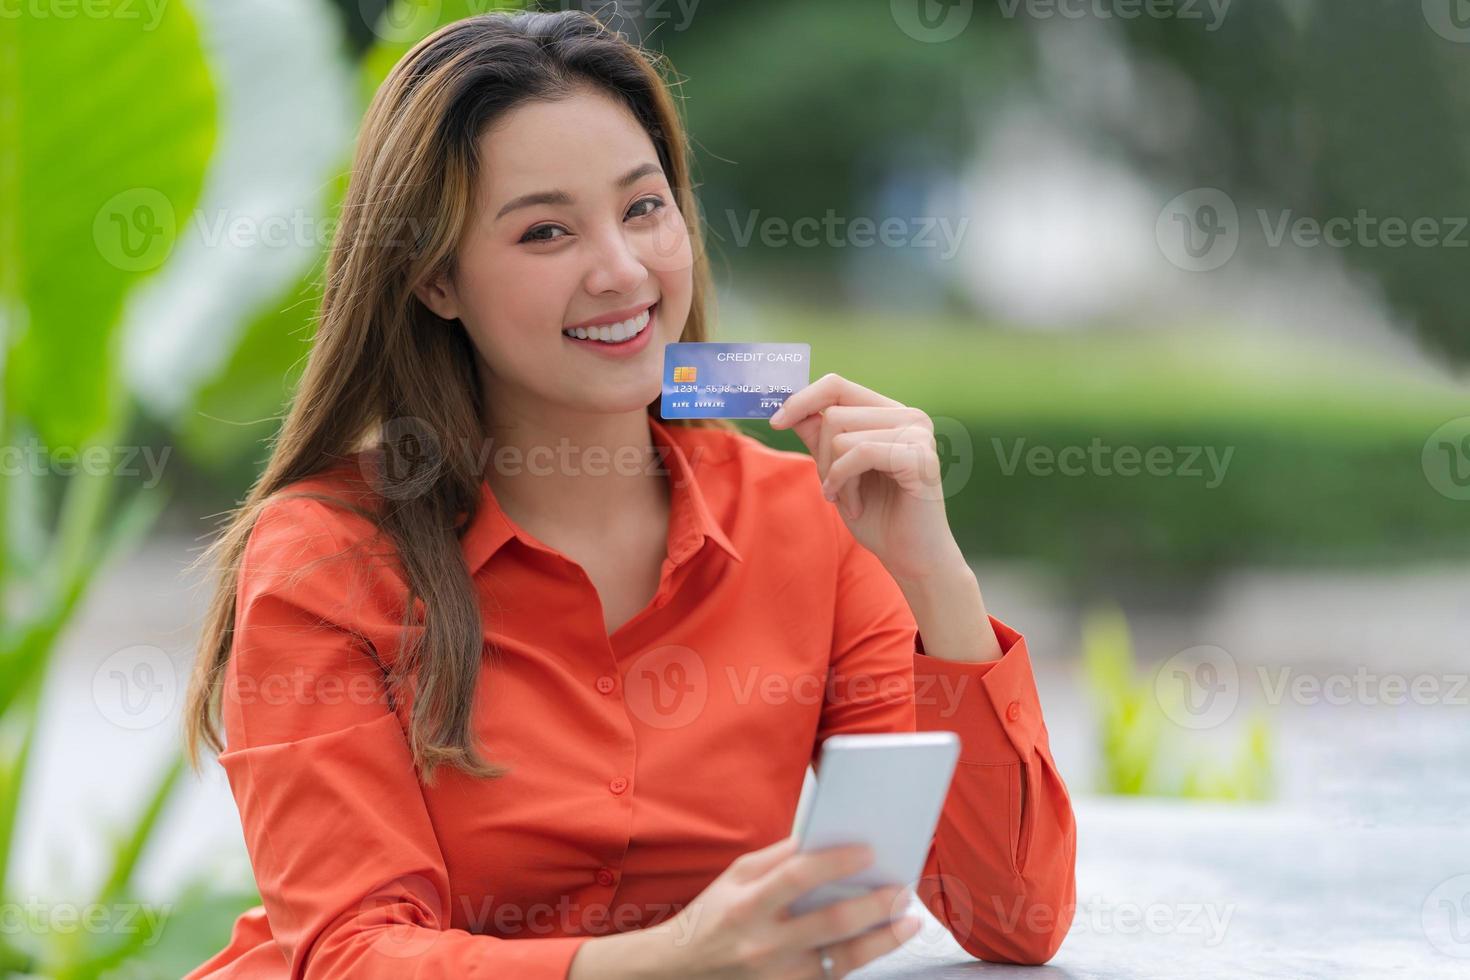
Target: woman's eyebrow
x: 562, y: 197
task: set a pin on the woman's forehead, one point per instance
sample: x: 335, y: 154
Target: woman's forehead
x: 586, y: 138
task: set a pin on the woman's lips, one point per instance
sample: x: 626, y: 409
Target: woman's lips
x: 622, y: 317
x: 622, y: 348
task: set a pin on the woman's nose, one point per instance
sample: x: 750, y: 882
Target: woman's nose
x: 616, y: 265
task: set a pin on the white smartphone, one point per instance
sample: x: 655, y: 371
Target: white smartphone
x: 885, y: 790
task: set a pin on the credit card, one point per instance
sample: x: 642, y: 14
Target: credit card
x: 732, y: 381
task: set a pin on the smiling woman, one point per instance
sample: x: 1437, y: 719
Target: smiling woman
x: 397, y: 597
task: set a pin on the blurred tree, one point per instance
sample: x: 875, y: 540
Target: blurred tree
x: 801, y: 109
x: 1329, y: 110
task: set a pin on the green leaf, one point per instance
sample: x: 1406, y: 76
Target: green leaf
x: 107, y: 133
x: 22, y: 506
x: 71, y: 567
x: 192, y: 928
x: 237, y: 411
x: 131, y: 523
x: 130, y: 849
x: 12, y: 777
x: 82, y: 954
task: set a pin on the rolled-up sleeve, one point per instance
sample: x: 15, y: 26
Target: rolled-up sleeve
x: 350, y: 871
x: 1000, y: 872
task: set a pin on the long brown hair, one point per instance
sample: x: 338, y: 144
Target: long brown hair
x: 380, y: 355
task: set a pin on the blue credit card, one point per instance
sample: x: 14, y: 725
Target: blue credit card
x: 732, y: 381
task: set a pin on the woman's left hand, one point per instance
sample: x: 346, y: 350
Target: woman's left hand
x: 879, y: 463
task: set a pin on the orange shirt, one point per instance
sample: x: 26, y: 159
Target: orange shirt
x: 642, y: 763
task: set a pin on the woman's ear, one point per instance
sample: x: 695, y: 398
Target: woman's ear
x: 439, y: 295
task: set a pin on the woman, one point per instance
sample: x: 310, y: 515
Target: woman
x: 516, y: 679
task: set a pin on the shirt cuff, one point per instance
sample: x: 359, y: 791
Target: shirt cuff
x: 991, y: 705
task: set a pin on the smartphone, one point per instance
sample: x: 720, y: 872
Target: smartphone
x: 885, y: 790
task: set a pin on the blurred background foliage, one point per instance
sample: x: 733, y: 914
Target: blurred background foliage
x: 69, y: 260
x: 122, y: 322
x: 1145, y: 748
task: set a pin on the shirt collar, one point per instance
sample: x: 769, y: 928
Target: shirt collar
x: 690, y: 519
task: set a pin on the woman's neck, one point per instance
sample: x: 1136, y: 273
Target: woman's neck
x: 585, y: 471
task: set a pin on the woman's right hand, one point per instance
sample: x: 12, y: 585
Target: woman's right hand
x: 739, y: 928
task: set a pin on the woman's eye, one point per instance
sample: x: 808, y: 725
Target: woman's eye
x: 657, y: 203
x: 534, y: 236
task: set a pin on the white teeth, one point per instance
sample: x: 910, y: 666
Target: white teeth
x: 612, y: 333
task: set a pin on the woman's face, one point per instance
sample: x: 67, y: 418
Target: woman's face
x: 573, y: 221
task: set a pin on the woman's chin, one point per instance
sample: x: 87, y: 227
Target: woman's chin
x: 628, y: 395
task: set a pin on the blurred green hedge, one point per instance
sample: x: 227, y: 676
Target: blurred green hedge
x: 1324, y: 452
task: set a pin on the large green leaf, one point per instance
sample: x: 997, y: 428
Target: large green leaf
x: 106, y: 135
x: 238, y: 409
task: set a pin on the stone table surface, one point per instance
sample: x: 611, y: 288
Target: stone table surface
x: 1171, y: 888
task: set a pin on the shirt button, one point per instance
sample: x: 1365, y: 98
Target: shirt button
x: 618, y: 785
x: 1013, y: 710
x: 605, y: 684
x: 605, y: 877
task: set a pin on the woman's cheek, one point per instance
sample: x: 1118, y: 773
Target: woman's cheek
x: 668, y: 244
x: 533, y: 289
